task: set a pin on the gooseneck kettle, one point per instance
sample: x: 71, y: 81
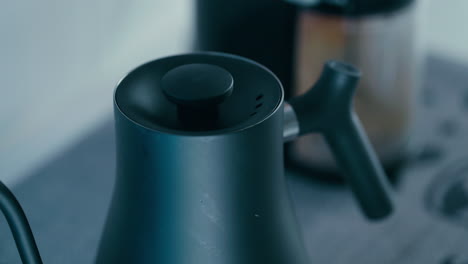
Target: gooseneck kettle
x: 200, y: 175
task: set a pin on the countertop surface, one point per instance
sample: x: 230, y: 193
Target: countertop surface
x: 67, y: 199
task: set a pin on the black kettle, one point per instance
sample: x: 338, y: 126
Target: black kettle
x: 200, y: 175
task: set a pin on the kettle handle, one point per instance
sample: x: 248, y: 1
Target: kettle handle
x: 327, y: 108
x: 19, y: 226
x: 354, y: 153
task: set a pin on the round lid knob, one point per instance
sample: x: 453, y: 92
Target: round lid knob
x: 197, y: 85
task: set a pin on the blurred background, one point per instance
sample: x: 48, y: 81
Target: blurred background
x: 60, y: 61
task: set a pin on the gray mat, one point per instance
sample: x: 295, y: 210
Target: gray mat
x: 66, y: 201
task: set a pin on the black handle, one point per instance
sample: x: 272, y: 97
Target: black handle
x: 327, y: 108
x: 19, y: 226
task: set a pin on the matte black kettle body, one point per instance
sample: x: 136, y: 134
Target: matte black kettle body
x: 200, y: 199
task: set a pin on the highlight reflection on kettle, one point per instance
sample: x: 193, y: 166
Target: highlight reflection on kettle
x: 200, y: 175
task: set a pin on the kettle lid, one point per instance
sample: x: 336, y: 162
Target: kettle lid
x: 205, y: 93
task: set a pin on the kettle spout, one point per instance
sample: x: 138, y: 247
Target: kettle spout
x: 19, y: 226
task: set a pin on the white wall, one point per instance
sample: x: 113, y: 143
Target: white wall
x: 60, y: 60
x: 446, y: 28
